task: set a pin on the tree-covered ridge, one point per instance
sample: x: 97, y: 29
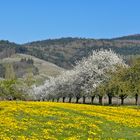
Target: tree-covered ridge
x: 129, y: 37
x: 9, y: 48
x: 65, y: 51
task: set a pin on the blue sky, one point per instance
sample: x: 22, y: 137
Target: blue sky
x: 27, y: 20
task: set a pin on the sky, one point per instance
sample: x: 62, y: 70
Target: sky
x: 24, y: 21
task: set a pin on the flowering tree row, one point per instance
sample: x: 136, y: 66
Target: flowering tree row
x: 82, y: 80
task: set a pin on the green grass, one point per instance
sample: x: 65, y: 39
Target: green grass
x: 42, y: 120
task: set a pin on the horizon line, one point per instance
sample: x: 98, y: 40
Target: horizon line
x: 64, y: 37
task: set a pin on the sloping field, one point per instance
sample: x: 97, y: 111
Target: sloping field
x: 45, y: 68
x: 50, y: 121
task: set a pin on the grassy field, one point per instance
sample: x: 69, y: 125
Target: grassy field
x: 50, y: 121
x: 45, y: 68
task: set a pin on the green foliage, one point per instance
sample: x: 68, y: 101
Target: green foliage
x: 7, y: 88
x: 13, y: 90
x: 123, y: 83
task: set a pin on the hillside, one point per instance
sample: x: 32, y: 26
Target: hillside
x: 135, y: 37
x: 65, y: 51
x: 44, y: 67
x: 9, y: 48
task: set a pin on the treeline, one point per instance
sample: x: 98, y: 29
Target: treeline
x: 65, y: 51
x: 101, y: 74
x: 27, y: 60
x: 124, y: 83
x: 83, y: 80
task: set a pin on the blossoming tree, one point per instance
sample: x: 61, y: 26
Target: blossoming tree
x: 82, y: 80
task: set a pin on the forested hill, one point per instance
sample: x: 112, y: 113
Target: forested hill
x: 9, y: 48
x: 135, y: 37
x: 65, y: 51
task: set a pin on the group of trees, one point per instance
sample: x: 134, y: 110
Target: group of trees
x: 103, y: 73
x: 13, y: 88
x: 18, y: 69
x: 86, y: 79
x: 123, y: 83
x: 16, y: 89
x: 28, y: 61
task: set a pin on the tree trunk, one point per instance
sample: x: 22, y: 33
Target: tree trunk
x: 84, y: 99
x: 110, y: 100
x: 77, y: 99
x: 136, y: 99
x: 122, y: 100
x: 70, y: 99
x: 14, y: 98
x: 63, y: 99
x: 57, y: 99
x: 92, y: 99
x: 53, y: 100
x: 100, y: 100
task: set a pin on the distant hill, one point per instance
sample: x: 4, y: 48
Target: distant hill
x: 9, y: 48
x: 135, y: 37
x: 65, y: 51
x: 44, y: 68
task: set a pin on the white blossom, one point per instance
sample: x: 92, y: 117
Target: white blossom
x: 83, y: 79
